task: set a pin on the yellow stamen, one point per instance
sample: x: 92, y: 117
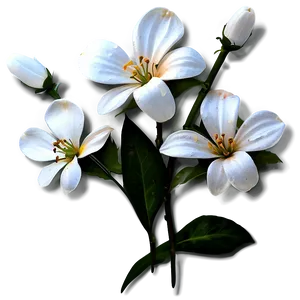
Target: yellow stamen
x: 130, y: 63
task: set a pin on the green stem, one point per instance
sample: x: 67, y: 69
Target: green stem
x: 159, y: 138
x: 203, y: 92
x: 152, y: 250
x: 54, y: 93
x: 104, y: 169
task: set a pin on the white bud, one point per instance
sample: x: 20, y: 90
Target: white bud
x: 240, y: 25
x: 29, y: 70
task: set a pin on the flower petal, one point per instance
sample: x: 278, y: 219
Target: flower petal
x: 181, y: 63
x: 70, y: 176
x: 217, y: 181
x: 155, y: 33
x: 94, y: 141
x: 260, y: 131
x: 29, y: 70
x: 48, y: 173
x: 65, y: 119
x: 241, y: 171
x: 156, y: 100
x: 219, y: 113
x: 37, y: 144
x: 103, y: 61
x: 186, y: 144
x: 115, y: 98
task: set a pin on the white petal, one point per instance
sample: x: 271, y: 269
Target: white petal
x: 156, y: 33
x: 260, y: 131
x: 65, y: 119
x: 48, y: 173
x: 181, y: 63
x: 241, y: 171
x: 115, y: 98
x: 37, y: 144
x: 103, y: 61
x: 240, y: 25
x: 28, y: 70
x: 217, y: 181
x: 94, y: 141
x: 156, y: 100
x: 70, y: 176
x: 187, y: 144
x: 219, y: 113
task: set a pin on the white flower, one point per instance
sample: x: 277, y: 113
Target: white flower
x: 65, y: 120
x: 29, y: 70
x: 233, y: 166
x: 144, y: 75
x: 240, y: 25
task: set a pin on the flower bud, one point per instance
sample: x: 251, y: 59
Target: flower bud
x: 28, y: 70
x: 239, y: 27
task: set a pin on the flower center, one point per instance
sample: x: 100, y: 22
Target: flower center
x: 140, y: 72
x: 220, y: 148
x: 66, y: 148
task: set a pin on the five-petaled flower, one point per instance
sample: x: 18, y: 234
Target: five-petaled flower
x: 233, y: 166
x: 65, y: 120
x: 144, y: 75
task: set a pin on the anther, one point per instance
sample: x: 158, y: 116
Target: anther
x: 54, y: 150
x: 141, y: 58
x: 146, y: 60
x: 216, y: 136
x: 57, y: 159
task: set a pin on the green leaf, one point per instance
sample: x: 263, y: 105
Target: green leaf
x: 162, y: 256
x: 110, y: 154
x: 132, y: 104
x: 177, y: 87
x: 239, y: 122
x: 144, y: 173
x: 187, y: 174
x: 97, y: 172
x: 263, y: 158
x: 208, y: 237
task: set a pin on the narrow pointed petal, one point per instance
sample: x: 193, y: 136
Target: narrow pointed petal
x: 186, y: 144
x: 103, y: 62
x: 262, y: 130
x: 48, y: 173
x: 217, y: 181
x: 115, y: 98
x: 70, y: 176
x: 219, y: 113
x: 181, y: 63
x: 156, y: 33
x: 37, y: 144
x: 241, y: 171
x: 94, y: 141
x: 65, y: 119
x: 156, y: 100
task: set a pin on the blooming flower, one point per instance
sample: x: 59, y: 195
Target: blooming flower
x: 233, y: 166
x: 65, y: 120
x: 29, y: 70
x: 144, y: 75
x: 240, y: 25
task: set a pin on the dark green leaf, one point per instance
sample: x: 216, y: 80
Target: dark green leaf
x: 239, y: 122
x: 97, y: 172
x: 48, y: 81
x: 162, y: 256
x: 132, y: 104
x: 187, y: 174
x: 263, y: 158
x: 109, y: 155
x: 177, y: 87
x: 208, y: 237
x: 144, y: 173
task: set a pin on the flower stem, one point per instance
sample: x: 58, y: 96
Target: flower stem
x: 203, y: 92
x: 107, y: 172
x: 53, y: 91
x: 159, y: 138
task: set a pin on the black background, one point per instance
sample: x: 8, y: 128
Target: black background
x: 59, y: 251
